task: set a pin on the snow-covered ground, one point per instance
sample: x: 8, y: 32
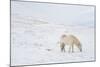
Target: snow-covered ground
x: 36, y: 42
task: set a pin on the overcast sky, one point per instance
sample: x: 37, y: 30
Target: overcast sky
x: 55, y: 13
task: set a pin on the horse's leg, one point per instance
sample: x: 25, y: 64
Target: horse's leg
x: 80, y: 49
x: 64, y: 49
x: 61, y: 46
x: 72, y: 48
x: 61, y: 49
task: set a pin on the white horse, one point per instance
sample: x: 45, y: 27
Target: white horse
x: 70, y: 40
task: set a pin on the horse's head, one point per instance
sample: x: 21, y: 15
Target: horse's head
x: 64, y: 35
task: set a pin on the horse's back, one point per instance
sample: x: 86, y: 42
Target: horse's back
x: 67, y: 39
x: 76, y: 40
